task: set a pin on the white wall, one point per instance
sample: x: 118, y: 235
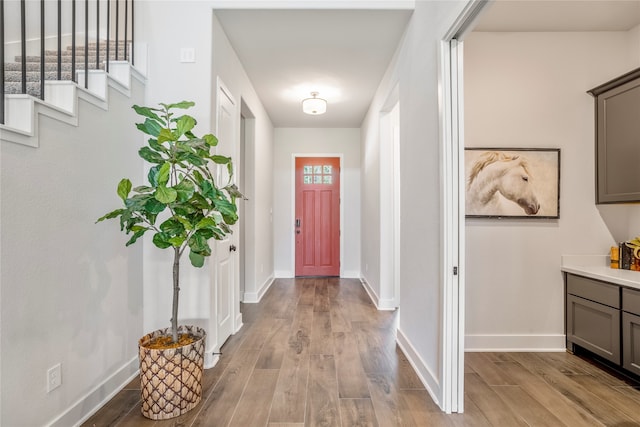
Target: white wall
x: 71, y: 290
x: 415, y: 71
x: 529, y: 90
x: 259, y: 167
x: 171, y: 81
x: 290, y: 141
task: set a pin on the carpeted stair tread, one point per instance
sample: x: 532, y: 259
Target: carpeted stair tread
x: 34, y: 76
x: 33, y: 88
x: 48, y: 66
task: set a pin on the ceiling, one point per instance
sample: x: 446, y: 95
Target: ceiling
x: 343, y: 53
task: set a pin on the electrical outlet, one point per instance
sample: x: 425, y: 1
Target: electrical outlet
x: 54, y: 377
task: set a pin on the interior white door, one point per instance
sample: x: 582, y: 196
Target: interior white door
x: 225, y: 250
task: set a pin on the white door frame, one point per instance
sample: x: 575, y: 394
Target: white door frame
x: 451, y: 78
x: 389, y: 159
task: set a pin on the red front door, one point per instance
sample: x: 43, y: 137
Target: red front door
x: 317, y: 223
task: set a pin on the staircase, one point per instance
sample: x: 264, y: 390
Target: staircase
x: 14, y: 76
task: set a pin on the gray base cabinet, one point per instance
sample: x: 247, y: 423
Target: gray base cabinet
x: 593, y: 316
x: 605, y: 319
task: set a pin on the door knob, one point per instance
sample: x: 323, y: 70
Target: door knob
x: 232, y: 248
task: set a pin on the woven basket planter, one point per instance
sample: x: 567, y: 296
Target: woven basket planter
x: 171, y: 379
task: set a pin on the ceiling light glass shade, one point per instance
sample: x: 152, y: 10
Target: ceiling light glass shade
x: 314, y: 105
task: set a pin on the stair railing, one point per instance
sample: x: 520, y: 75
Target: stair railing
x: 104, y: 23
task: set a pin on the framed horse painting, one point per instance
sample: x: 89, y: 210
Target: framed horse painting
x: 512, y: 182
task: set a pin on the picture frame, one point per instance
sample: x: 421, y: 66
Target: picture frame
x: 512, y: 182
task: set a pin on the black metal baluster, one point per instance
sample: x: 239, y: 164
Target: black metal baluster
x: 132, y: 27
x: 23, y: 38
x: 108, y: 33
x: 59, y: 39
x: 86, y: 44
x: 97, y: 34
x: 73, y: 41
x: 42, y: 56
x: 126, y: 27
x: 2, y: 94
x: 117, y: 27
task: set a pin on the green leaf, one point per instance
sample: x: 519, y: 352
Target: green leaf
x: 185, y: 222
x: 137, y: 202
x: 199, y: 202
x: 165, y: 135
x: 183, y: 105
x: 138, y: 232
x: 111, y: 215
x: 143, y: 189
x: 221, y: 160
x: 197, y: 260
x: 184, y: 124
x: 177, y: 241
x: 124, y: 187
x: 155, y: 145
x: 150, y: 156
x: 147, y: 112
x: 161, y: 240
x: 154, y: 206
x: 163, y: 174
x: 172, y: 226
x: 150, y: 127
x: 210, y: 140
x: 153, y: 175
x: 165, y: 195
x: 185, y: 190
x: 206, y: 223
x: 198, y: 177
x: 198, y: 242
x: 227, y: 209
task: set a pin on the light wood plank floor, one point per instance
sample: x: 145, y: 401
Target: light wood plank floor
x: 316, y: 352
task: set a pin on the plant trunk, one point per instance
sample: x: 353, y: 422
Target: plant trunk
x: 176, y: 293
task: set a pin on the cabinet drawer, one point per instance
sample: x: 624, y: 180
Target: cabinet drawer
x: 631, y: 300
x: 593, y: 290
x: 596, y: 327
x: 631, y: 342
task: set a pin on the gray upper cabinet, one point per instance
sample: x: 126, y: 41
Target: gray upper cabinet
x: 618, y: 139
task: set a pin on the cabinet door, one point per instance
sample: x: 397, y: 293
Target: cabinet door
x: 593, y: 326
x: 631, y: 342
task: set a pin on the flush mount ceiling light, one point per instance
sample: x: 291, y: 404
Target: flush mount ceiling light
x: 314, y: 105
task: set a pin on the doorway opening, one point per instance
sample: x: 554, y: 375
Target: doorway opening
x: 317, y: 216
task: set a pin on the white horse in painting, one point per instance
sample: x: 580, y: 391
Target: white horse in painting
x: 495, y: 174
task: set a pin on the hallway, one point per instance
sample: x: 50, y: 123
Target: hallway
x: 312, y: 352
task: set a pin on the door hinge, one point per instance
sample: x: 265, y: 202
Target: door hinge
x: 455, y: 271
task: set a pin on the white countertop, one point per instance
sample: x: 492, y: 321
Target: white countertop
x: 597, y: 267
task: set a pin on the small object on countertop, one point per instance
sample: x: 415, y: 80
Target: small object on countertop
x: 615, y: 257
x: 626, y: 256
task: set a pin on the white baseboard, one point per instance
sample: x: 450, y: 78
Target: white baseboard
x: 427, y: 378
x: 210, y: 359
x: 545, y: 343
x: 380, y: 303
x: 255, y: 297
x: 284, y: 274
x: 350, y: 274
x: 95, y: 399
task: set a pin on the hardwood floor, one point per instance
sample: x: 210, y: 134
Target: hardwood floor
x: 316, y: 352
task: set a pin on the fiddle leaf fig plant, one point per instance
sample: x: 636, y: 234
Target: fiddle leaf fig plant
x: 182, y: 204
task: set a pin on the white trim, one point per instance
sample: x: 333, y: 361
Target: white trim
x: 381, y: 304
x: 284, y: 274
x: 549, y: 342
x: 426, y: 377
x: 452, y: 240
x: 255, y: 297
x: 98, y: 396
x: 211, y: 359
x: 293, y: 204
x: 350, y: 274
